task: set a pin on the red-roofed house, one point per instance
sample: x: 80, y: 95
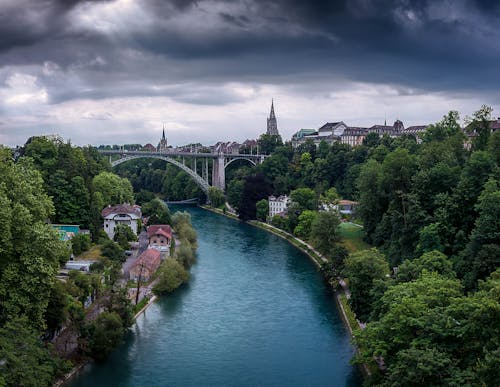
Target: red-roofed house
x: 160, y: 237
x: 145, y: 266
x: 121, y: 214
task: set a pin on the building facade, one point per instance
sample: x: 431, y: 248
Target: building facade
x: 278, y: 205
x: 163, y: 144
x: 121, y: 214
x: 145, y: 266
x: 160, y: 237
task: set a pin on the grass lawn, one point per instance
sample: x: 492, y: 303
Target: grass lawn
x: 352, y: 237
x: 90, y: 255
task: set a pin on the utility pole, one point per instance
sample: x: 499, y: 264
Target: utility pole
x: 139, y: 284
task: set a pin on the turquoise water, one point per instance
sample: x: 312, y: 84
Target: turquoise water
x: 255, y: 313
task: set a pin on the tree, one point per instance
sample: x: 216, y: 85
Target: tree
x: 305, y: 198
x: 372, y: 204
x: 157, y: 211
x: 262, y: 209
x: 80, y: 243
x: 256, y: 187
x: 124, y: 235
x: 482, y: 254
x: 106, y: 333
x: 24, y: 359
x: 429, y: 239
x: 428, y: 333
x: 480, y: 125
x: 268, y: 143
x: 216, y: 197
x: 56, y: 313
x: 304, y: 226
x: 364, y: 269
x: 324, y: 231
x: 113, y: 251
x: 432, y: 261
x: 171, y: 275
x: 113, y: 188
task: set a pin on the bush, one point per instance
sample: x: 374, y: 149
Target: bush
x: 80, y: 243
x: 106, y: 333
x: 171, y: 275
x: 185, y: 254
x: 113, y: 251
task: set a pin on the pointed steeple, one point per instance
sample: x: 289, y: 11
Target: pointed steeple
x: 272, y: 125
x: 271, y: 116
x: 163, y: 145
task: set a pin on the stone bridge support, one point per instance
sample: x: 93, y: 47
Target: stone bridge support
x: 219, y: 172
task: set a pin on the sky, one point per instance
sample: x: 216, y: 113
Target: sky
x: 118, y: 71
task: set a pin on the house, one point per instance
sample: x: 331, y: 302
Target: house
x: 346, y: 207
x: 145, y: 266
x: 160, y: 237
x: 298, y: 136
x: 149, y: 148
x: 79, y: 265
x: 66, y: 231
x: 278, y: 205
x: 353, y: 135
x: 121, y: 214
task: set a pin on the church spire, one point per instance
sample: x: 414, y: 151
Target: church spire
x: 272, y: 125
x: 163, y: 144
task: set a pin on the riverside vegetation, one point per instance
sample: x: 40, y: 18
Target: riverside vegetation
x: 44, y: 327
x: 428, y: 290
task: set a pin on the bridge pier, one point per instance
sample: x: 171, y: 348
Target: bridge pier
x: 219, y: 172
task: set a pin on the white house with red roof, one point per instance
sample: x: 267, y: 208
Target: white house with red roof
x: 125, y: 213
x: 160, y: 237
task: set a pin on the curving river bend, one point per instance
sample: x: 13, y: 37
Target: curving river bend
x: 255, y: 313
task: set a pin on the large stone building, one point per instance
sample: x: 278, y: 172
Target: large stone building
x: 163, y: 144
x: 339, y: 132
x: 272, y: 125
x: 278, y: 205
x: 121, y: 214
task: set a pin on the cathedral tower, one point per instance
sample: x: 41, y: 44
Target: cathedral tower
x: 163, y: 145
x: 272, y: 125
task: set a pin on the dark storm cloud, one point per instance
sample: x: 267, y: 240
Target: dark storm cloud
x: 432, y: 45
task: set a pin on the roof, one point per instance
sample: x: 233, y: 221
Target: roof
x: 415, y: 129
x: 344, y: 202
x: 148, y: 258
x: 124, y: 208
x: 355, y: 131
x: 160, y: 229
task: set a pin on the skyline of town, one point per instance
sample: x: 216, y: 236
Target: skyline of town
x: 93, y: 71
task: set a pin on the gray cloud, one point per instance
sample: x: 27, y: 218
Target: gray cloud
x: 185, y: 49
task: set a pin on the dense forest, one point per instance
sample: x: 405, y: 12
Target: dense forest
x: 52, y: 319
x: 430, y: 206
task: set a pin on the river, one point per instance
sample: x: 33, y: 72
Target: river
x: 255, y: 313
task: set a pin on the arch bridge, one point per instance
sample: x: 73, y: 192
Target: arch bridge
x: 187, y: 161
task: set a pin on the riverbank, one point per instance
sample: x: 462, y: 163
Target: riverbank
x: 341, y: 296
x: 82, y: 364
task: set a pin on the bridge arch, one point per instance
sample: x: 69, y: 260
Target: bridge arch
x: 197, y: 178
x: 240, y: 158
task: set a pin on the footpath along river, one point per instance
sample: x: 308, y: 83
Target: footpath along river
x: 255, y: 313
